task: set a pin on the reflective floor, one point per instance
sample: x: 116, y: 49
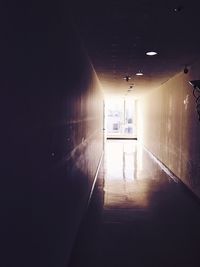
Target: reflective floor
x: 138, y: 215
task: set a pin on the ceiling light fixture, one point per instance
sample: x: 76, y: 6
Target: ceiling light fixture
x: 130, y: 89
x: 139, y: 73
x: 127, y: 78
x: 178, y: 9
x: 151, y: 53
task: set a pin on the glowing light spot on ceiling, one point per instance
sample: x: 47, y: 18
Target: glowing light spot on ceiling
x: 151, y: 53
x: 139, y: 73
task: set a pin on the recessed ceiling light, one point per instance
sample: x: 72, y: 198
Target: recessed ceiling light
x: 139, y: 73
x: 127, y: 78
x: 151, y: 53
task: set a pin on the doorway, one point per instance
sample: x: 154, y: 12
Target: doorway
x: 121, y: 118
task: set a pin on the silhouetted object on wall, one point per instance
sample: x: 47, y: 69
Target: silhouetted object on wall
x: 196, y: 94
x: 186, y: 70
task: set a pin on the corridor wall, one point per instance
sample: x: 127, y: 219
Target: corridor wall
x: 53, y: 108
x: 170, y: 129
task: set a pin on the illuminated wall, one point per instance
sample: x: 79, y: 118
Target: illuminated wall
x: 170, y: 129
x: 68, y: 141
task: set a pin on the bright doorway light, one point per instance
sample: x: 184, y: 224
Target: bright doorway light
x: 120, y: 118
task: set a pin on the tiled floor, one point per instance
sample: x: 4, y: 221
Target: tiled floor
x: 138, y: 216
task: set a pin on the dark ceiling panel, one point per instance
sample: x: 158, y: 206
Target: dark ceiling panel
x: 117, y: 34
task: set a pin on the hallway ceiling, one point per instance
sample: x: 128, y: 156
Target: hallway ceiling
x: 118, y: 33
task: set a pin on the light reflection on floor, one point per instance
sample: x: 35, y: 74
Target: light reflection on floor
x: 120, y: 160
x: 130, y: 179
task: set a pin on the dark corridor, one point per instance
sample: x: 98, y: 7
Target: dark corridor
x: 60, y: 61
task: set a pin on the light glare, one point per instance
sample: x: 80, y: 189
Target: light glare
x: 139, y: 74
x: 151, y: 53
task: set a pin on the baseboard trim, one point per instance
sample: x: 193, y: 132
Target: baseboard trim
x: 173, y: 176
x: 95, y: 178
x: 121, y: 138
x: 81, y: 222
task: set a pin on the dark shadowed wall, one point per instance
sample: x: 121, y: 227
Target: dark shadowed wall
x: 52, y: 112
x: 170, y: 129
